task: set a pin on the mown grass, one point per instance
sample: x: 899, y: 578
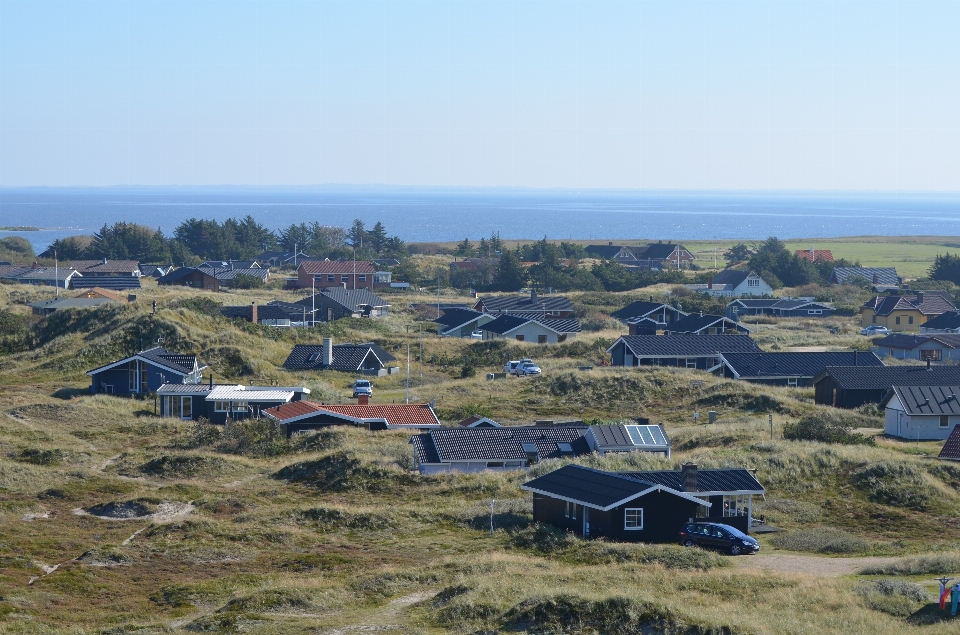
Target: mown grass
x: 327, y: 531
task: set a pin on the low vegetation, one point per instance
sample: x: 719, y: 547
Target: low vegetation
x: 156, y: 525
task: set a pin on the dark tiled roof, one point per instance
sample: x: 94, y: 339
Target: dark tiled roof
x: 223, y: 274
x: 902, y: 340
x: 593, y: 488
x: 883, y: 377
x: 609, y: 251
x: 951, y: 449
x: 730, y: 276
x: 748, y: 365
x: 640, y: 309
x: 948, y: 321
x: 928, y: 400
x: 155, y: 271
x: 183, y: 389
x: 700, y: 346
x: 513, y: 303
x: 929, y: 304
x: 697, y: 323
x: 708, y: 480
x: 230, y: 264
x: 498, y: 444
x: 659, y: 251
x: 178, y: 274
x: 117, y: 283
x: 413, y: 414
x: 40, y: 273
x: 508, y: 322
x: 337, y: 267
x: 110, y: 266
x: 346, y: 357
x: 350, y: 299
x: 182, y: 364
x: 452, y: 318
x: 883, y: 275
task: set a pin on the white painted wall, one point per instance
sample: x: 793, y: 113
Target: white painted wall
x: 898, y: 423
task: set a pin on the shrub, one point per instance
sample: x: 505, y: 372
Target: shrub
x: 895, y: 484
x: 183, y: 466
x: 39, y: 457
x: 895, y: 597
x: 826, y: 426
x: 938, y: 564
x: 244, y: 281
x: 821, y: 540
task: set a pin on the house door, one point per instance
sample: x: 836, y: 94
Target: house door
x: 586, y: 522
x: 186, y: 405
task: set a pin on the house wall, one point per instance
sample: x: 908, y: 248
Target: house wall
x: 827, y: 393
x: 897, y: 423
x: 197, y: 280
x: 470, y: 467
x: 745, y: 290
x: 531, y: 331
x: 664, y: 515
x: 119, y: 378
x: 946, y: 354
x: 868, y: 317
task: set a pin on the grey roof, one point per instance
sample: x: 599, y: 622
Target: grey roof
x: 641, y: 309
x: 182, y: 272
x: 873, y: 275
x: 951, y: 449
x: 115, y: 283
x: 672, y: 346
x: 610, y: 251
x: 784, y: 304
x: 902, y: 340
x: 183, y: 389
x: 732, y: 277
x: 948, y: 321
x: 883, y: 377
x: 351, y: 299
x: 106, y: 266
x: 723, y: 480
x: 659, y: 251
x: 927, y: 400
x: 497, y: 444
x: 69, y: 303
x: 224, y: 275
x: 513, y: 303
x: 696, y: 323
x: 159, y: 356
x: 755, y: 365
x: 453, y: 318
x: 593, y: 488
x: 508, y: 322
x: 41, y: 273
x: 346, y: 357
x: 929, y: 303
x: 618, y: 436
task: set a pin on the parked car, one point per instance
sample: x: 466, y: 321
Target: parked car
x: 511, y: 367
x: 718, y: 536
x: 876, y: 329
x: 528, y: 368
x: 362, y: 387
x: 476, y: 335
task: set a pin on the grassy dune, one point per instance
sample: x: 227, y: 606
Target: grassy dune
x: 158, y: 525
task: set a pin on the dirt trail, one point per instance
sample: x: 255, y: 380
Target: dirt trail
x: 809, y: 565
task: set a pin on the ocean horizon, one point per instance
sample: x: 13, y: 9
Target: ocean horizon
x: 452, y: 214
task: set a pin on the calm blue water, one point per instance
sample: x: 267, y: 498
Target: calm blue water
x: 446, y: 215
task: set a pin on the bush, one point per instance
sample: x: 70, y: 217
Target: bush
x: 826, y: 426
x: 895, y: 484
x: 821, y: 540
x: 244, y: 281
x: 894, y: 597
x: 924, y: 565
x: 39, y: 457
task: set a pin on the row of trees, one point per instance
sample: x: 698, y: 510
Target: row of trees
x: 780, y: 267
x: 195, y: 240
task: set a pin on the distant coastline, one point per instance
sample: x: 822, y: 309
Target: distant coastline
x: 22, y: 228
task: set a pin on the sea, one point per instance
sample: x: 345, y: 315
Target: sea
x: 452, y: 214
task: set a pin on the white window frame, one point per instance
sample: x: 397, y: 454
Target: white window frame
x: 331, y: 277
x: 691, y: 362
x: 362, y: 277
x: 736, y: 505
x: 221, y: 406
x: 944, y: 421
x: 630, y: 515
x: 566, y: 509
x: 344, y: 278
x: 753, y: 282
x: 814, y: 311
x: 238, y: 406
x: 792, y: 381
x: 573, y: 511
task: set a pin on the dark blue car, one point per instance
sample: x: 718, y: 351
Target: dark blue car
x: 718, y: 536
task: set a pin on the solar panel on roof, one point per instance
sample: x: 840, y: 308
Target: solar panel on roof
x: 646, y: 435
x: 530, y: 448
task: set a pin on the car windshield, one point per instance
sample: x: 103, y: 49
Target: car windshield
x: 362, y: 383
x: 733, y: 530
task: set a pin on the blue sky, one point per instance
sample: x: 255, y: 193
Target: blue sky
x: 762, y: 94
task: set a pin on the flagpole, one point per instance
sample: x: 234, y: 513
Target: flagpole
x: 56, y: 272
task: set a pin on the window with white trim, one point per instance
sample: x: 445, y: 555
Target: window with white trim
x: 363, y: 277
x: 239, y: 406
x: 633, y: 518
x: 753, y: 282
x: 221, y: 406
x: 566, y: 510
x: 331, y: 278
x: 792, y: 381
x: 573, y: 511
x: 815, y: 312
x: 691, y: 362
x: 344, y: 278
x: 944, y: 421
x: 735, y: 505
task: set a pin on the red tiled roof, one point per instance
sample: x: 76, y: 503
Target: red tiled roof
x: 394, y: 414
x: 951, y: 449
x: 337, y: 266
x: 824, y: 255
x: 292, y: 409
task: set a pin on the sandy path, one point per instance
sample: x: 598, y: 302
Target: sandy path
x: 808, y: 565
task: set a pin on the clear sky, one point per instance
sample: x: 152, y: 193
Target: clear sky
x: 716, y: 94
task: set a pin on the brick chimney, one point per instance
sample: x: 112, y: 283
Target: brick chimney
x: 689, y: 477
x: 363, y: 400
x: 253, y: 313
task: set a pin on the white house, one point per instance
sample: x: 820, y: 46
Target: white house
x: 734, y: 284
x: 531, y: 329
x: 921, y: 413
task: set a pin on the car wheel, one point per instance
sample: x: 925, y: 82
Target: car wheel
x: 734, y: 550
x: 689, y: 542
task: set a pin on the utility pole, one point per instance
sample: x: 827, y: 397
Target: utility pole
x: 421, y: 350
x: 770, y: 419
x: 492, y: 501
x: 438, y: 293
x: 56, y: 273
x: 313, y: 300
x: 408, y: 372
